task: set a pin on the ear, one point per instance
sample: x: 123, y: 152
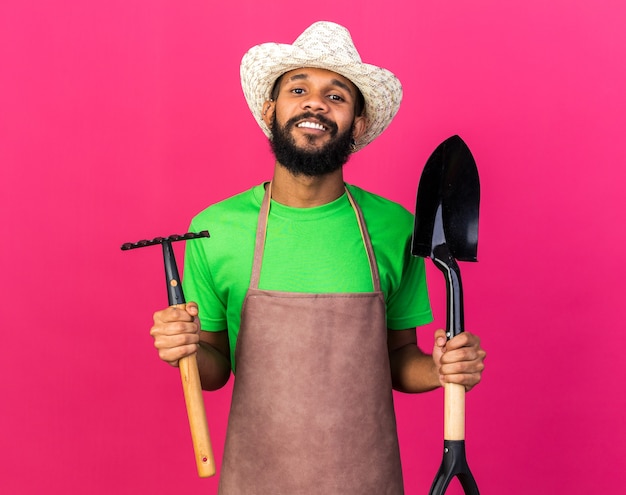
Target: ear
x: 360, y: 124
x: 268, y: 112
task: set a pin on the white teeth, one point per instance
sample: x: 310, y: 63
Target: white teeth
x: 312, y: 125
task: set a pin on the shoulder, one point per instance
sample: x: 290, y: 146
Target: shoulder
x: 232, y: 220
x: 244, y: 203
x: 382, y: 211
x: 230, y: 211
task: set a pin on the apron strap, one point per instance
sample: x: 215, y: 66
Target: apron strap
x: 262, y: 230
x: 366, y: 241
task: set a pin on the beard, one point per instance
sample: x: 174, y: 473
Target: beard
x: 315, y: 162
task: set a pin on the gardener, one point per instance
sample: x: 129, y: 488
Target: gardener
x: 307, y: 289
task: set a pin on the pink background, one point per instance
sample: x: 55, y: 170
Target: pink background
x: 119, y: 120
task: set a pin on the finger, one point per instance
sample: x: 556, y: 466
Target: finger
x: 463, y: 339
x: 176, y: 328
x: 164, y: 340
x: 468, y: 380
x: 173, y: 313
x: 461, y: 354
x: 192, y: 308
x: 462, y: 367
x: 173, y: 355
x: 173, y: 347
x: 440, y: 338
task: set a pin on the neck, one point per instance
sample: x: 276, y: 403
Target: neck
x: 302, y: 191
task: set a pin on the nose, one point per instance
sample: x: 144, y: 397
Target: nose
x: 315, y: 102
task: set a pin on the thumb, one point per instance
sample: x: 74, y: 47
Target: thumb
x: 440, y: 339
x: 192, y: 308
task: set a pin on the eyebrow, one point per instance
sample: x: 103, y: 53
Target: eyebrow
x: 334, y: 82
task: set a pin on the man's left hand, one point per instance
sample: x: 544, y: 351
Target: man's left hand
x: 459, y: 360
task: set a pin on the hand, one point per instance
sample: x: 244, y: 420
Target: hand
x: 176, y: 332
x: 459, y: 360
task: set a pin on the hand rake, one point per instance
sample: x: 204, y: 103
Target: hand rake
x: 188, y: 365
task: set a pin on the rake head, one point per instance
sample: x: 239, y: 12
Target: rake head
x: 160, y: 240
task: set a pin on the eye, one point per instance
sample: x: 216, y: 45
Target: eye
x: 297, y: 91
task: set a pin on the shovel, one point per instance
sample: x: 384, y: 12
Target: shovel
x: 446, y: 230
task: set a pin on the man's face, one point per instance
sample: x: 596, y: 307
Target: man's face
x: 312, y: 121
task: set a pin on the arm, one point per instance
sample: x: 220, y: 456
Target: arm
x: 176, y: 333
x: 460, y: 360
x: 412, y: 370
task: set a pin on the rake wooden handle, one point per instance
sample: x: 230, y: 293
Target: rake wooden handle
x: 454, y: 412
x: 196, y: 413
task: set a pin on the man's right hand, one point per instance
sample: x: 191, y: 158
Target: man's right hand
x: 176, y: 332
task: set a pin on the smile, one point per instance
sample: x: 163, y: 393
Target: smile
x: 312, y: 125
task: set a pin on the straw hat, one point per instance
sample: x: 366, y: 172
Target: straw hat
x: 324, y: 45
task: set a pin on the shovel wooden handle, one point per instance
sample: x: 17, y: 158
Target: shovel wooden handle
x: 194, y: 401
x: 454, y: 412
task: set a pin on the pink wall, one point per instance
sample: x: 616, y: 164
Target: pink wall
x: 119, y: 120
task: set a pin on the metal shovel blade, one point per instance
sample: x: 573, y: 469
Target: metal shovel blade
x: 449, y: 185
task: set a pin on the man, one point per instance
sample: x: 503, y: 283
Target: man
x: 307, y: 289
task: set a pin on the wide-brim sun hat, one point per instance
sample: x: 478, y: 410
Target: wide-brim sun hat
x: 323, y: 45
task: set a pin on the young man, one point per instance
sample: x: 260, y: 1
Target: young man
x: 307, y: 289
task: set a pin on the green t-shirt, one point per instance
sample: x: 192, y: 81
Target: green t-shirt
x: 317, y: 250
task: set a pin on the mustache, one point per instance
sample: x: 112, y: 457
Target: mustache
x: 310, y: 115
